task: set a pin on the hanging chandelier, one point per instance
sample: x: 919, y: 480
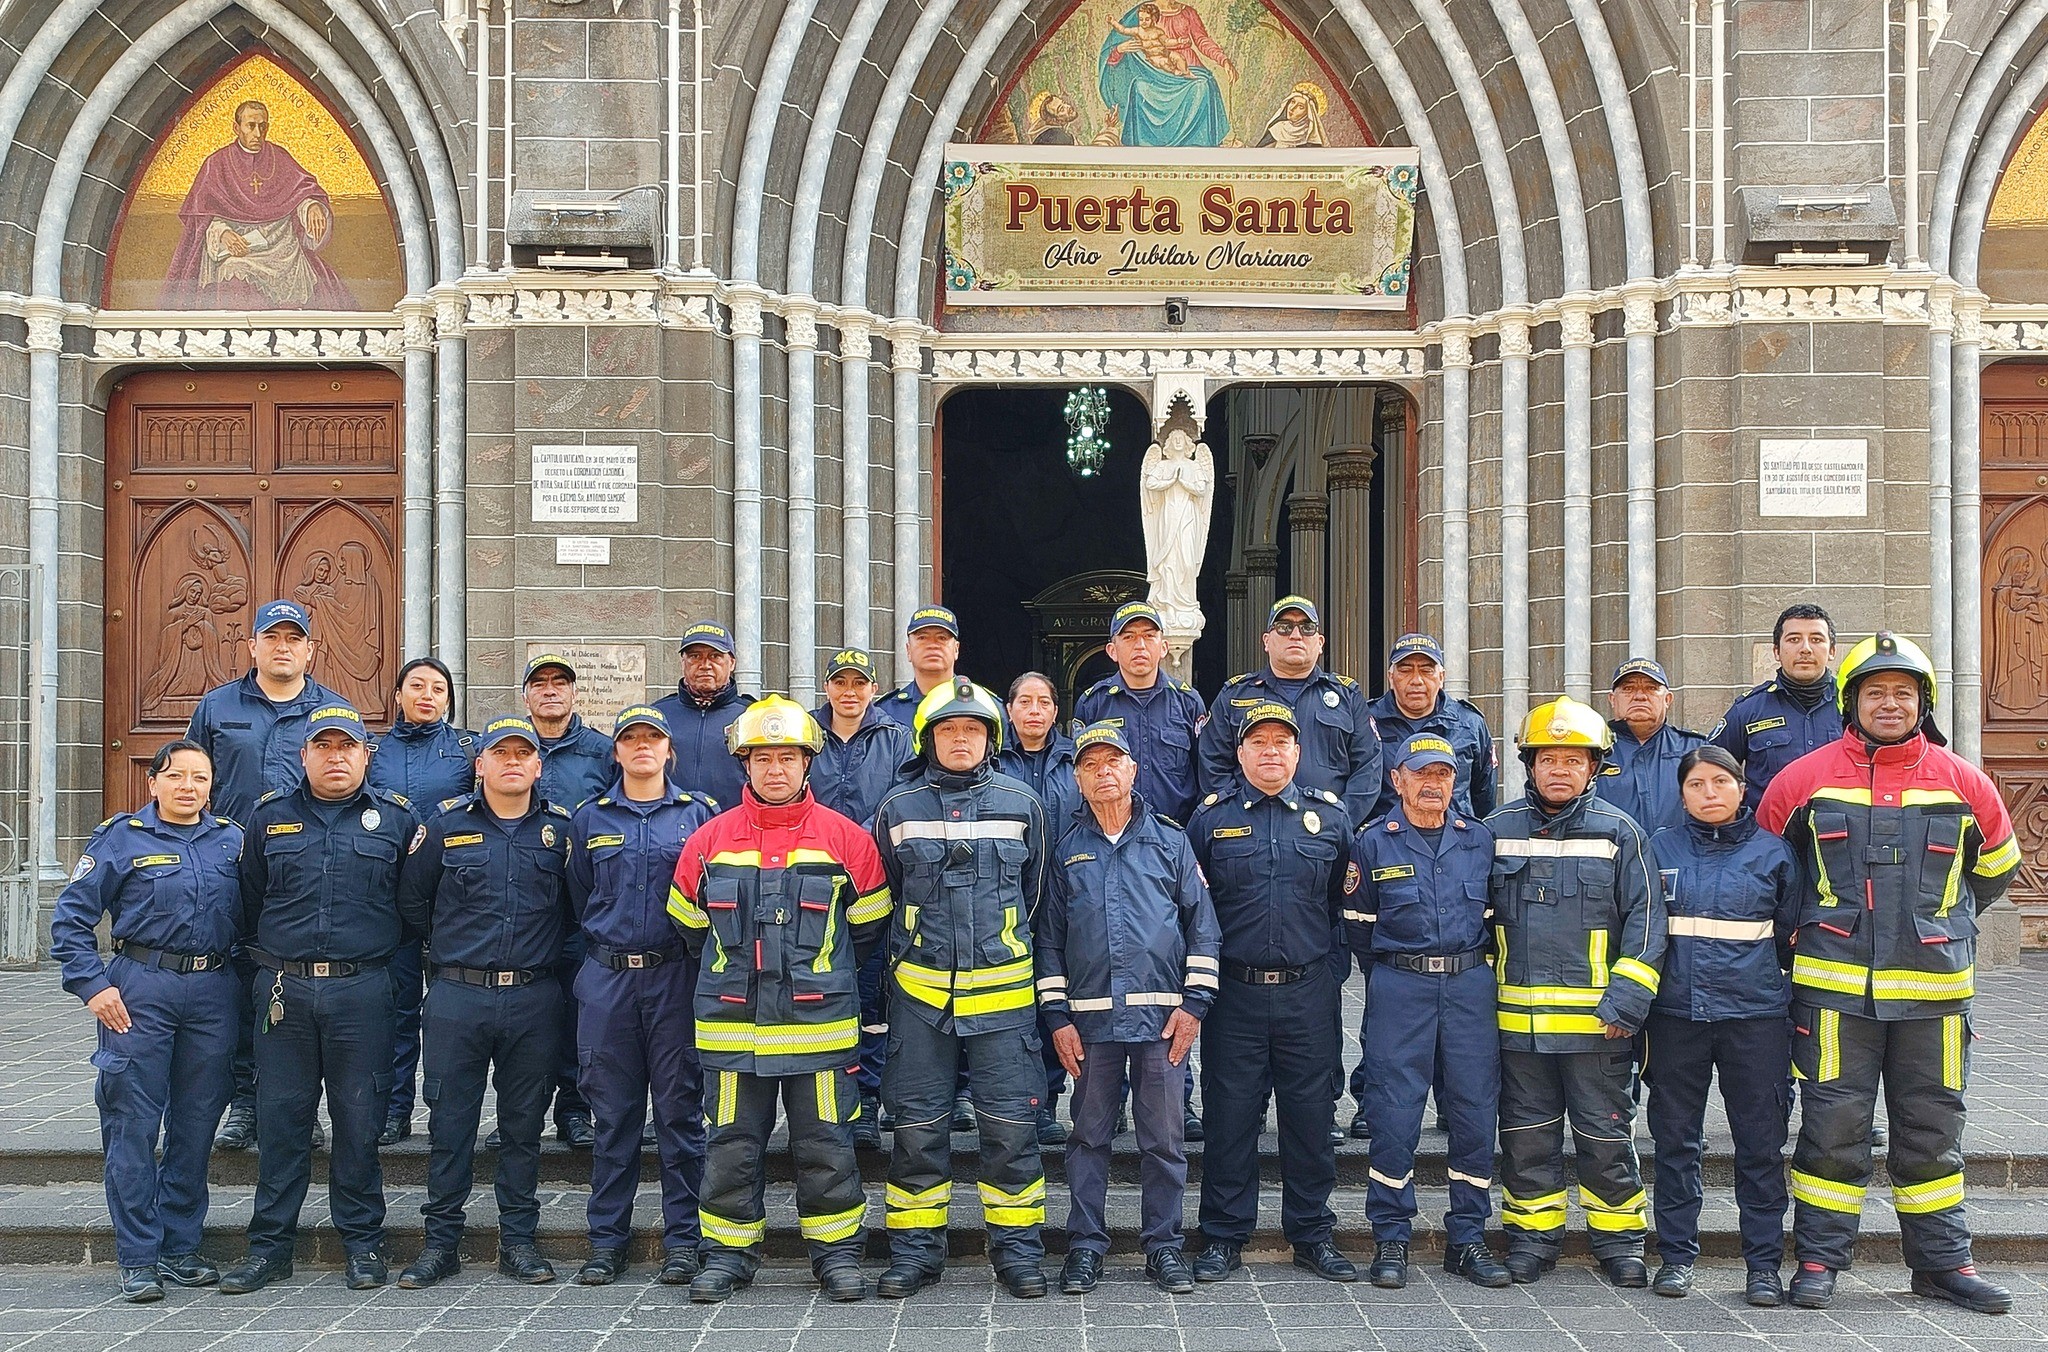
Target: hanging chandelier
x: 1087, y: 430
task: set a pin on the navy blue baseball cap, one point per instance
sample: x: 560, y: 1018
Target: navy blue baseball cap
x: 933, y: 617
x: 336, y: 716
x: 541, y: 661
x: 1427, y: 748
x: 1415, y: 645
x: 708, y: 634
x: 1640, y: 666
x: 271, y: 614
x: 1287, y: 603
x: 1130, y: 612
x: 501, y: 729
x: 851, y: 659
x: 1099, y: 734
x: 641, y: 714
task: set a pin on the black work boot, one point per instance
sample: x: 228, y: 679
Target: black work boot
x: 1962, y: 1286
x: 1390, y: 1264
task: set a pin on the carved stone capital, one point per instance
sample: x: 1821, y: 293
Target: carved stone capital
x: 1456, y: 341
x: 800, y: 321
x: 1639, y: 309
x: 1308, y: 511
x: 856, y: 338
x: 744, y: 304
x: 45, y: 316
x: 1514, y: 334
x: 1348, y: 468
x: 1575, y: 325
x: 1261, y: 560
x: 906, y: 347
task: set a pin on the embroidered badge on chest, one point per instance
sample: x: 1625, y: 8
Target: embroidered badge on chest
x: 1330, y: 698
x: 371, y: 818
x: 547, y: 836
x: 1312, y: 822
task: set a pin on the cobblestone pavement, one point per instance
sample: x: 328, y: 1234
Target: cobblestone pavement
x: 1267, y: 1309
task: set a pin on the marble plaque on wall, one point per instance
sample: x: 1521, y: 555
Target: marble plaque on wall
x: 609, y: 676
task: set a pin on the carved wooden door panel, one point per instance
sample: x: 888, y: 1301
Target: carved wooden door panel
x: 226, y: 490
x: 2015, y: 601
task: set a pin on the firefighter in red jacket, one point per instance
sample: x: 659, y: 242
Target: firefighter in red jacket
x: 782, y: 899
x: 1900, y: 844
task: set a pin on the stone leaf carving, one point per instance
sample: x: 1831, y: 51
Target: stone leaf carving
x: 113, y: 344
x: 949, y: 365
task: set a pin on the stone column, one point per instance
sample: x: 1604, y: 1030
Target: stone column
x: 1308, y: 516
x: 1260, y: 562
x: 1237, y: 623
x: 1348, y: 611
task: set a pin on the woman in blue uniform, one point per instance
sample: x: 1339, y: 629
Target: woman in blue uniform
x: 636, y: 1029
x: 1720, y: 1009
x: 167, y: 1006
x: 427, y: 760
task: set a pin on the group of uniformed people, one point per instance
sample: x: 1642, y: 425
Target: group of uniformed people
x: 924, y: 910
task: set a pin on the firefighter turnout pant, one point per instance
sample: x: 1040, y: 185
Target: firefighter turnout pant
x: 1923, y: 1065
x: 1539, y: 1091
x: 1008, y: 1074
x: 830, y: 1204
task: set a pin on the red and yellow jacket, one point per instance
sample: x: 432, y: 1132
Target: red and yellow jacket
x: 784, y: 903
x: 1888, y: 839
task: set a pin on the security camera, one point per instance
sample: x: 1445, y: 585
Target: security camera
x: 1177, y: 311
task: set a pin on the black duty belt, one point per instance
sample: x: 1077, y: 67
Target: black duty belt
x: 1434, y: 964
x: 631, y: 960
x: 315, y: 969
x: 491, y: 976
x: 182, y: 963
x: 1264, y: 976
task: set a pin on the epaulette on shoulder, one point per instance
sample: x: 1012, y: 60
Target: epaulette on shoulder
x: 1176, y: 683
x: 274, y: 793
x: 394, y: 796
x: 465, y: 739
x: 707, y: 800
x: 449, y: 804
x: 1345, y: 680
x: 1165, y: 820
x: 1241, y: 678
x: 108, y: 822
x: 558, y: 809
x: 1468, y: 704
x: 1326, y: 796
x: 1688, y: 732
x: 1212, y: 800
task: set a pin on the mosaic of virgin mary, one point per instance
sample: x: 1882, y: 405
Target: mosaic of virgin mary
x: 1159, y: 76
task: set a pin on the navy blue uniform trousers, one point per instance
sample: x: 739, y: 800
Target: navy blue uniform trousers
x: 1157, y: 1089
x: 636, y: 1037
x: 510, y: 1035
x: 1431, y: 1029
x: 335, y: 1033
x: 408, y: 989
x: 1681, y: 1059
x: 170, y: 1075
x: 1260, y: 1043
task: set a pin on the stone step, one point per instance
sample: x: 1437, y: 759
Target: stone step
x: 405, y: 1164
x: 69, y: 1224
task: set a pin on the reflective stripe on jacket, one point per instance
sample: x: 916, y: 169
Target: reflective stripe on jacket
x: 1731, y: 898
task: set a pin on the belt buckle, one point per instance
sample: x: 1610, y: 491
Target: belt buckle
x: 1270, y: 978
x: 1436, y: 962
x: 200, y: 963
x: 506, y: 978
x: 636, y: 960
x: 323, y: 969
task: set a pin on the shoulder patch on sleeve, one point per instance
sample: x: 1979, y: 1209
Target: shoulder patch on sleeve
x: 86, y: 864
x: 419, y: 838
x: 446, y: 803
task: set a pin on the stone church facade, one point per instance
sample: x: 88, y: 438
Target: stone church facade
x: 529, y: 251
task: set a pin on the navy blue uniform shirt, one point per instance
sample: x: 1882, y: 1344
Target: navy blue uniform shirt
x: 1340, y: 752
x: 624, y: 863
x: 1767, y: 729
x: 1162, y: 725
x: 489, y: 894
x: 1275, y: 866
x: 1641, y: 778
x: 853, y: 775
x: 1731, y: 897
x: 424, y: 762
x: 254, y: 740
x: 320, y: 879
x: 172, y: 888
x: 1406, y: 893
x: 900, y: 704
x: 1478, y: 789
x: 696, y: 732
x: 575, y: 766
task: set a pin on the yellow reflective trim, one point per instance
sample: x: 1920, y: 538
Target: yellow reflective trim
x: 726, y: 1105
x: 1842, y: 793
x: 831, y: 1229
x: 1500, y: 951
x: 737, y: 858
x: 2001, y: 858
x: 1828, y: 1065
x: 991, y: 1195
x: 1535, y: 996
x: 803, y: 856
x: 973, y: 978
x: 870, y: 909
x: 1825, y: 885
x: 930, y: 1218
x: 1921, y: 1199
x: 731, y: 1233
x: 1596, y: 955
x: 1629, y: 1214
x: 1014, y: 1215
x: 1637, y: 971
x: 828, y: 1097
x: 1534, y: 1213
x: 1920, y: 797
x: 823, y: 962
x: 1827, y: 1194
x: 1901, y: 983
x: 1550, y: 1023
x: 776, y: 1039
x: 1952, y: 886
x: 1009, y: 935
x: 1846, y: 978
x: 684, y: 910
x: 937, y: 1195
x: 993, y: 1003
x: 1952, y: 1052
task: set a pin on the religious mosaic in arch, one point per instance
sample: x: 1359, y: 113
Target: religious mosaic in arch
x: 255, y: 198
x: 1175, y: 73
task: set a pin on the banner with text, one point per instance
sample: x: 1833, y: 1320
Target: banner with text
x: 1046, y: 225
